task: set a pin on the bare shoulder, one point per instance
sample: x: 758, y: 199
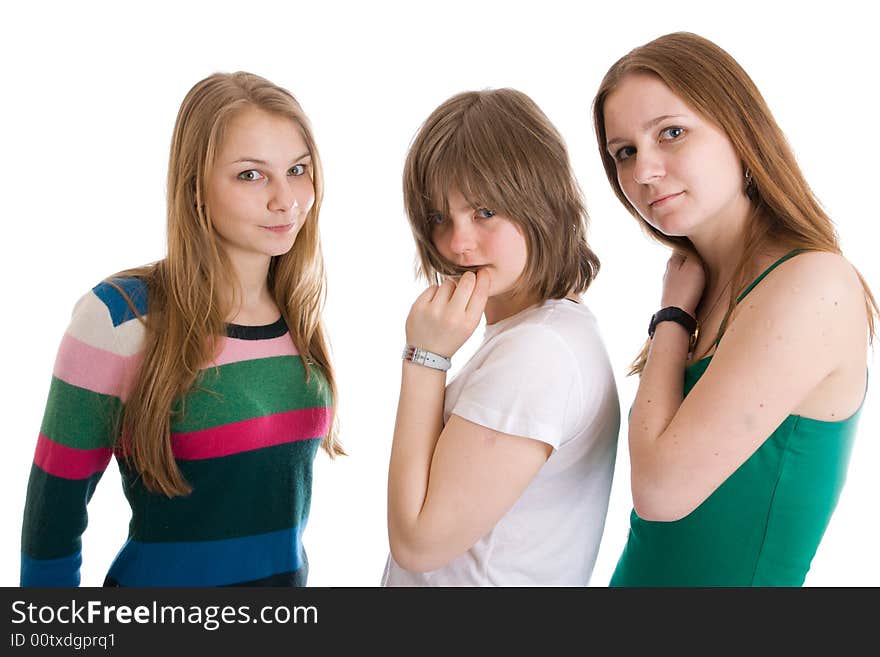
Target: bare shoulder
x: 816, y: 279
x: 814, y: 301
x: 824, y: 264
x: 805, y: 328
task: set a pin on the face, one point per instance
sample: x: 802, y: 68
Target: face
x: 677, y: 169
x: 260, y: 189
x: 480, y: 237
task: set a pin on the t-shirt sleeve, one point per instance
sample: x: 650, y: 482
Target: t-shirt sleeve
x: 75, y: 442
x: 528, y: 385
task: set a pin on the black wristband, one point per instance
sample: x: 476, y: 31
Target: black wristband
x: 672, y: 314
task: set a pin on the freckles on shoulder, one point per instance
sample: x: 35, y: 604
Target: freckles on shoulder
x: 822, y: 291
x: 817, y: 276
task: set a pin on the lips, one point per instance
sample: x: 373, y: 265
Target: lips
x: 281, y: 228
x: 665, y: 198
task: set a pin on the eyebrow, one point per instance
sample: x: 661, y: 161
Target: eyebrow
x: 462, y: 208
x: 256, y: 160
x: 647, y: 126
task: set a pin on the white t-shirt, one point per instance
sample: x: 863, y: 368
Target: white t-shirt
x: 544, y: 374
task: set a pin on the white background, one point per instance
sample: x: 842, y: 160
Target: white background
x: 90, y: 94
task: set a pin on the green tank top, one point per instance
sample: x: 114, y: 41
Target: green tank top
x: 762, y: 525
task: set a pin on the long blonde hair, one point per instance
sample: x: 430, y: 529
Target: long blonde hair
x: 500, y: 150
x: 187, y: 291
x: 784, y: 209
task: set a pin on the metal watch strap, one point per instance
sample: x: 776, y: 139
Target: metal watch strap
x: 427, y: 358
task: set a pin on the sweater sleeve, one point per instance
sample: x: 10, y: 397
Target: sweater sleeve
x: 90, y: 379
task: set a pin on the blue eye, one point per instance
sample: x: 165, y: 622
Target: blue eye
x: 672, y: 132
x: 297, y: 169
x: 485, y: 213
x: 435, y: 219
x: 624, y: 153
x: 250, y: 174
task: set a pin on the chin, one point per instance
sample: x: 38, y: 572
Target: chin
x: 274, y: 253
x: 672, y: 227
x: 281, y: 249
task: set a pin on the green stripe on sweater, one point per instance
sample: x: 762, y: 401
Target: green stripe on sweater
x: 80, y: 418
x: 248, y: 389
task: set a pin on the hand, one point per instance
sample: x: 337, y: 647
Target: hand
x: 445, y: 316
x: 683, y: 282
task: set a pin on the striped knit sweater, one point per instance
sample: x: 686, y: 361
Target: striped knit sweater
x: 246, y: 444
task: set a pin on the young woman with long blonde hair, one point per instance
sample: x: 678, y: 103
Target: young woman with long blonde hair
x: 207, y: 374
x: 752, y: 381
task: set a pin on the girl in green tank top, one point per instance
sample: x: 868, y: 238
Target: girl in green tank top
x: 753, y: 377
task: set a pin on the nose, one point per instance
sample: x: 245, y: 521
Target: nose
x: 282, y: 196
x: 648, y: 166
x: 462, y: 237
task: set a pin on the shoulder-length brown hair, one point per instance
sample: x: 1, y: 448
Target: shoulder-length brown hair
x: 188, y: 291
x: 708, y: 79
x: 501, y: 152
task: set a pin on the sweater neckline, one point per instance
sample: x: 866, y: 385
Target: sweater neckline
x: 262, y: 332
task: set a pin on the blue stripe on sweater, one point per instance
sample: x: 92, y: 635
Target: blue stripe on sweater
x: 208, y: 563
x: 120, y: 311
x: 50, y: 572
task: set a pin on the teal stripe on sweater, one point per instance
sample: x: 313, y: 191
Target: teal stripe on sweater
x: 274, y: 494
x: 55, y: 514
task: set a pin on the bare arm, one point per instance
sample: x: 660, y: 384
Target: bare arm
x: 446, y: 495
x: 789, y: 336
x: 448, y: 486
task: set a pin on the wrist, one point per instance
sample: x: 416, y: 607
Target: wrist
x: 679, y: 316
x: 426, y: 358
x: 689, y: 307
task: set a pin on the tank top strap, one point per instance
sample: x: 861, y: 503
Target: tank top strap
x: 751, y: 287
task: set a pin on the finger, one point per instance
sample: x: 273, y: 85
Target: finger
x: 480, y: 294
x: 426, y: 296
x: 444, y: 292
x: 462, y: 293
x: 677, y: 259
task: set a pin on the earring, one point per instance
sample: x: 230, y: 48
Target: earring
x: 751, y: 187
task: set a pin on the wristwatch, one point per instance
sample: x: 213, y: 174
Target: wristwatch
x: 679, y: 316
x: 427, y: 358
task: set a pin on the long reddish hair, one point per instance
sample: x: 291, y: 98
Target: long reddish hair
x: 784, y: 209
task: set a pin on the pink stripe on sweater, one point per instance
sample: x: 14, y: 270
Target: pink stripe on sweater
x: 235, y: 350
x: 68, y: 462
x: 82, y: 365
x: 256, y: 433
x: 95, y: 369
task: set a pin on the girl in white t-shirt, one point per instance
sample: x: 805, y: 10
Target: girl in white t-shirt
x: 503, y: 476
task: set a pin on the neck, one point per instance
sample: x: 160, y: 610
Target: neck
x: 720, y: 245
x: 503, y: 306
x: 253, y: 300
